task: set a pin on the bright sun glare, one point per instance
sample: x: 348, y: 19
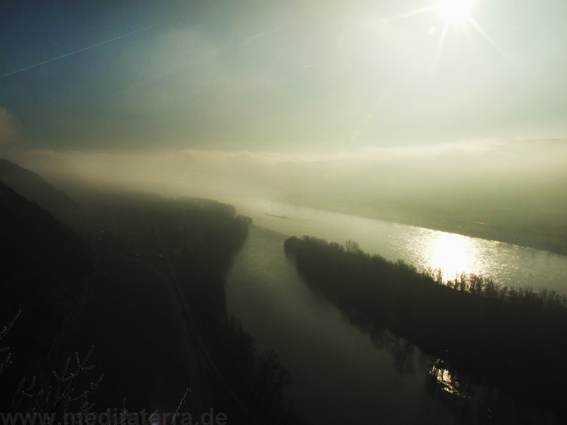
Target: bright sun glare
x: 455, y: 10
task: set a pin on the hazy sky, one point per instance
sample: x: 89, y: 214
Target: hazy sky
x: 293, y: 75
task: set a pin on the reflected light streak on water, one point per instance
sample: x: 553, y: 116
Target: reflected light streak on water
x: 446, y: 381
x: 451, y: 253
x: 426, y: 249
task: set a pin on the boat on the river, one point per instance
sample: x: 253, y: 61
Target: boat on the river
x: 277, y: 216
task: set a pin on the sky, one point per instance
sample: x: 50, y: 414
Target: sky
x: 302, y: 81
x: 279, y: 75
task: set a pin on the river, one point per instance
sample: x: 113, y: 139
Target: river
x: 340, y: 376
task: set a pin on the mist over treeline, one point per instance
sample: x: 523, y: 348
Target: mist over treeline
x: 479, y: 188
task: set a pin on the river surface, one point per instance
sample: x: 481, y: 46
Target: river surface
x: 341, y: 375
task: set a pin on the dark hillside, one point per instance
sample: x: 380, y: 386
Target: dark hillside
x: 148, y: 291
x: 34, y: 242
x: 33, y: 187
x: 43, y: 267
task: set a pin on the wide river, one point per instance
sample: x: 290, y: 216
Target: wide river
x: 340, y: 375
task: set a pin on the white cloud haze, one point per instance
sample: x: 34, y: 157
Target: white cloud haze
x: 369, y: 173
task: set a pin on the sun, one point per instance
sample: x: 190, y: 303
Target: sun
x: 456, y: 13
x: 455, y: 10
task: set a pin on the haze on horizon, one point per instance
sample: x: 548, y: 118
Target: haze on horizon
x: 356, y: 103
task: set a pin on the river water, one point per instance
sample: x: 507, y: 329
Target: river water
x: 340, y: 376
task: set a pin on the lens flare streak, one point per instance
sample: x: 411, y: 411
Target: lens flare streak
x: 455, y: 12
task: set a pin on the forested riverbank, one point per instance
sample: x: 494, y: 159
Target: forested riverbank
x: 510, y: 338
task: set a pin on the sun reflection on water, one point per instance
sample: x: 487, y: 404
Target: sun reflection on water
x: 452, y: 254
x: 447, y: 382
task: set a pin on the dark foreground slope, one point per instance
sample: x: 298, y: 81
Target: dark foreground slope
x: 43, y: 267
x: 145, y: 285
x: 509, y: 339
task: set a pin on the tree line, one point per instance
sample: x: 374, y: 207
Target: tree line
x: 512, y: 338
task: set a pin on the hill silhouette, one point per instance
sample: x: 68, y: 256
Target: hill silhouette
x: 34, y: 188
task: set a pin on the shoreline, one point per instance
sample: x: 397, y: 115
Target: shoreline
x: 461, y: 227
